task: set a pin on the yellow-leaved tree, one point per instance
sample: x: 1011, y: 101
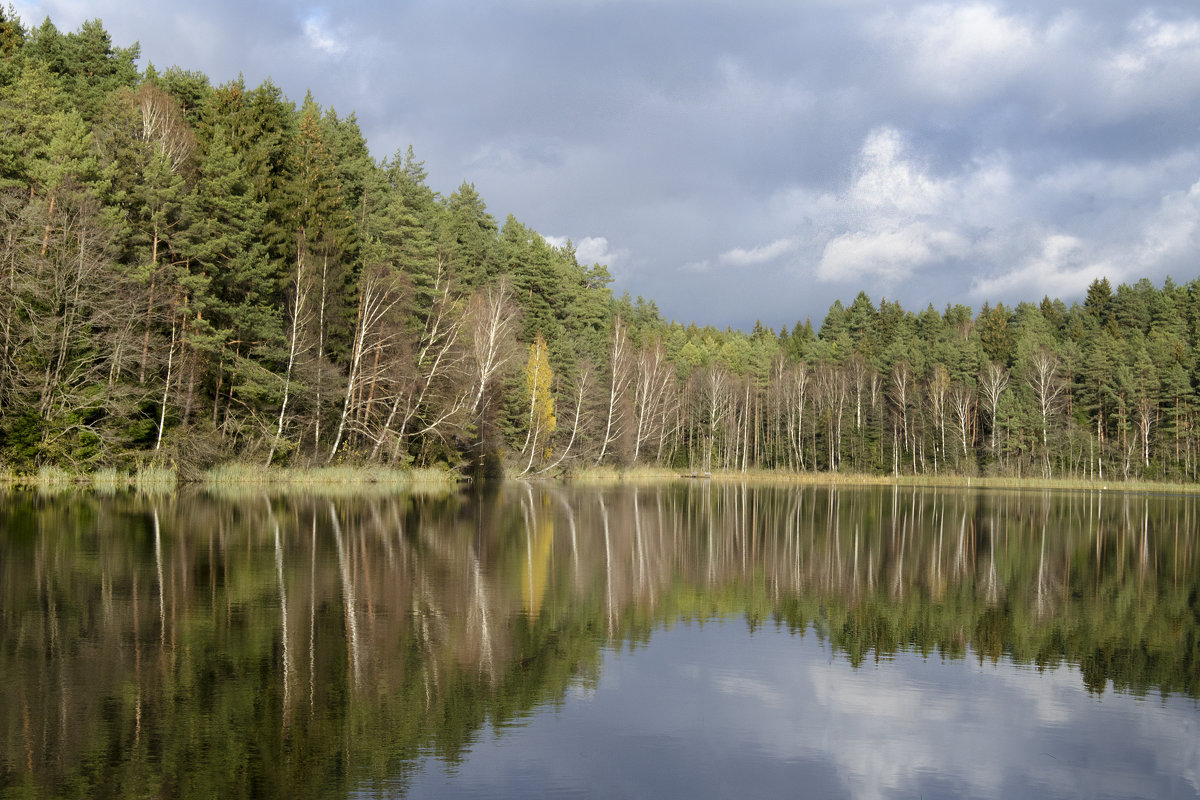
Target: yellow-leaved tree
x: 538, y: 379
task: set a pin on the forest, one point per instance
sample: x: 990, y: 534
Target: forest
x: 194, y: 274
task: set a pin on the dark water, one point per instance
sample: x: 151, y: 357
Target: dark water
x: 685, y: 641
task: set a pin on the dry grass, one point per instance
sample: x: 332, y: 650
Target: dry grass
x: 52, y: 480
x: 648, y: 475
x: 154, y: 479
x: 108, y: 481
x: 241, y: 479
x: 607, y: 475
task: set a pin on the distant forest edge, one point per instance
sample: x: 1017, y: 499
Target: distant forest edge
x: 192, y: 275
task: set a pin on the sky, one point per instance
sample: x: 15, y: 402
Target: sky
x: 758, y: 160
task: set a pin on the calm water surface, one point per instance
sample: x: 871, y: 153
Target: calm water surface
x: 692, y: 640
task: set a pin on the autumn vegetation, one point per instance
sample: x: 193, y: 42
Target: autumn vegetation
x: 193, y: 275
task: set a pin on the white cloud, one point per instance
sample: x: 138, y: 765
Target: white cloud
x: 1023, y: 235
x: 1063, y: 267
x: 595, y: 249
x: 1172, y: 235
x: 740, y: 257
x: 745, y: 687
x: 1157, y: 43
x: 956, y: 51
x: 1155, y: 70
x: 891, y: 254
x: 321, y: 37
x: 895, y: 218
x: 890, y: 181
x: 591, y: 250
x: 1163, y: 241
x: 1062, y: 68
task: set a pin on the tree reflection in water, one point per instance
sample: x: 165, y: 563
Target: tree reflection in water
x: 413, y: 623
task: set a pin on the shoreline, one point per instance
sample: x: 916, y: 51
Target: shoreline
x: 237, y: 478
x: 240, y: 478
x: 770, y: 477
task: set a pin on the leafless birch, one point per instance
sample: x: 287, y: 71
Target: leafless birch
x: 621, y: 368
x: 992, y: 383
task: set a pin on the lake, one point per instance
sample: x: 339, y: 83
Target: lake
x: 686, y: 640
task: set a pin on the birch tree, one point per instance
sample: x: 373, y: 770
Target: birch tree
x: 492, y: 318
x: 993, y: 381
x: 297, y: 313
x: 797, y: 398
x: 377, y: 298
x: 538, y: 379
x: 1048, y: 387
x: 620, y: 376
x: 962, y: 406
x: 653, y: 379
x: 430, y: 393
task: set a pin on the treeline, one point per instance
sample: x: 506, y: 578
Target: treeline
x: 196, y: 274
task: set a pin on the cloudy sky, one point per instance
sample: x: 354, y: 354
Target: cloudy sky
x: 758, y: 161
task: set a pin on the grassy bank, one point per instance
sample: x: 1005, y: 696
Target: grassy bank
x: 149, y: 479
x: 241, y: 479
x: 231, y: 479
x: 237, y: 479
x: 647, y: 475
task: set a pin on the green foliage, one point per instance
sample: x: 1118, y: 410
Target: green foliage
x: 249, y: 276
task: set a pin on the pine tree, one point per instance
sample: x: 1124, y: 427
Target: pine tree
x: 468, y: 238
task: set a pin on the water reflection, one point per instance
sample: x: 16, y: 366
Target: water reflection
x: 302, y: 647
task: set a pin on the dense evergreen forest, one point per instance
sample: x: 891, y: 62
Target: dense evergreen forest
x: 193, y: 274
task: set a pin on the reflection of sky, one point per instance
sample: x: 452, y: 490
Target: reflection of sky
x: 712, y: 711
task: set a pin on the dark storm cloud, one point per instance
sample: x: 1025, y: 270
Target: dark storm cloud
x: 758, y: 161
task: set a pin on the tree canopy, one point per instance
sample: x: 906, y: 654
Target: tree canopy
x: 201, y: 273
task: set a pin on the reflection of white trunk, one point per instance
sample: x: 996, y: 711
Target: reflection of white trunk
x: 993, y: 594
x: 574, y: 540
x: 162, y: 609
x: 485, y: 635
x: 608, y: 587
x: 347, y: 600
x: 710, y: 536
x: 312, y: 617
x: 283, y: 619
x: 1041, y: 583
x: 1145, y: 552
x: 854, y: 568
x: 530, y: 521
x: 643, y: 579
